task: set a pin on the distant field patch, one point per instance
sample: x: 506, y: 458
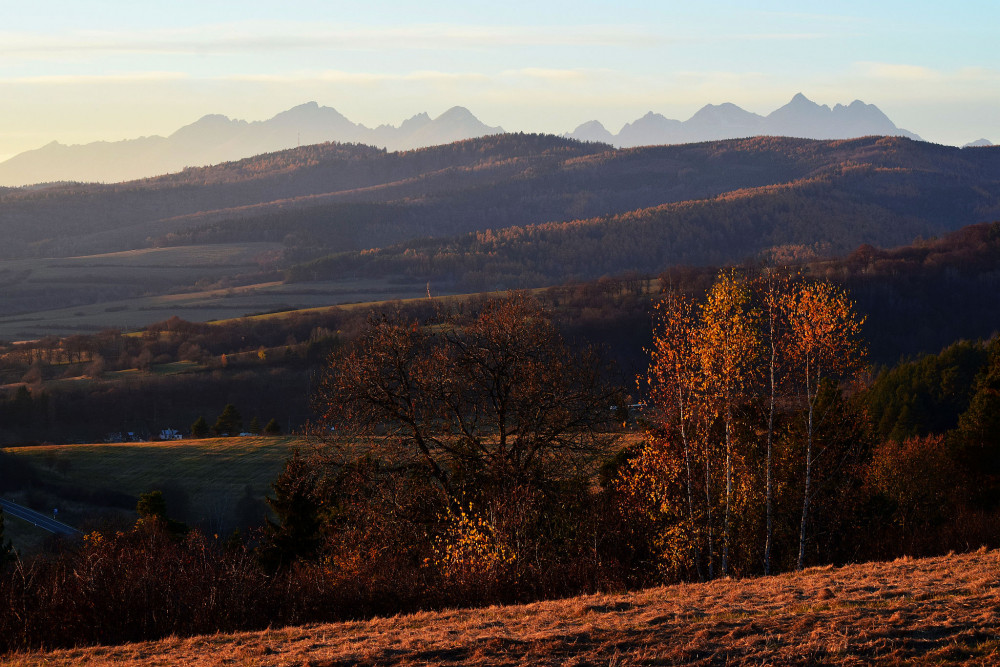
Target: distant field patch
x: 227, y: 254
x: 205, y: 478
x: 201, y: 306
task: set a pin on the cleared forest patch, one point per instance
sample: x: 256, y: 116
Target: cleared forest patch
x: 943, y: 610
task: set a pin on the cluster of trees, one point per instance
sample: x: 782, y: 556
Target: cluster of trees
x: 729, y: 380
x: 304, y: 337
x: 936, y: 467
x: 464, y: 449
x: 230, y: 423
x: 473, y: 456
x: 263, y: 365
x: 459, y: 470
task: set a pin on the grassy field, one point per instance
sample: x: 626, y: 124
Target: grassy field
x: 203, y: 480
x: 129, y: 290
x: 936, y: 611
x: 203, y: 306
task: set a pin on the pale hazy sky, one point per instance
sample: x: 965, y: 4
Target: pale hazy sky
x: 83, y: 70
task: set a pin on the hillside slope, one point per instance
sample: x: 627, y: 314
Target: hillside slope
x: 942, y: 611
x: 491, y: 213
x: 489, y: 183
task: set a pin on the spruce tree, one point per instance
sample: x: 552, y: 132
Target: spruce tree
x: 298, y: 532
x: 6, y: 549
x: 199, y: 429
x: 229, y: 422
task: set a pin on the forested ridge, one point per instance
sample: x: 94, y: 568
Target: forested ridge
x: 827, y: 214
x: 506, y: 181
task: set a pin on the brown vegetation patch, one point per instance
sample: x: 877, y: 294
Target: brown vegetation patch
x: 943, y: 610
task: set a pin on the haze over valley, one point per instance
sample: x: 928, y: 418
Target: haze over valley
x: 216, y: 138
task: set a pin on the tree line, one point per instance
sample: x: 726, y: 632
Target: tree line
x: 732, y: 380
x: 472, y: 455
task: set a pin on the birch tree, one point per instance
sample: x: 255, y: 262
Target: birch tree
x: 728, y: 347
x: 825, y: 338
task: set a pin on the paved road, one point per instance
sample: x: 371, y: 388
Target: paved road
x: 38, y: 519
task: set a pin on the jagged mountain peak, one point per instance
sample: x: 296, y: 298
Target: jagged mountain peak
x: 216, y: 138
x: 412, y: 123
x: 799, y: 105
x: 800, y: 100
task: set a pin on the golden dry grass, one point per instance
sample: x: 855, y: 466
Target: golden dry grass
x: 942, y: 610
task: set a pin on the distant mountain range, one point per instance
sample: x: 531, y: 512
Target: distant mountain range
x: 800, y: 118
x: 215, y: 138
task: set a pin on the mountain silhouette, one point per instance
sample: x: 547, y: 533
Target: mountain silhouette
x: 214, y: 138
x: 800, y: 118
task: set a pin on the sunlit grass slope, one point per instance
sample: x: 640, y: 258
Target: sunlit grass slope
x: 941, y: 611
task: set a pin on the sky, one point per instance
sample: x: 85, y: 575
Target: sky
x: 78, y: 71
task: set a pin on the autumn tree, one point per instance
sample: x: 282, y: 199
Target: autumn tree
x: 676, y: 415
x: 498, y: 400
x: 772, y: 288
x: 722, y: 374
x: 728, y: 350
x: 824, y: 342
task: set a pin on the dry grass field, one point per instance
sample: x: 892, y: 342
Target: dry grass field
x: 942, y: 611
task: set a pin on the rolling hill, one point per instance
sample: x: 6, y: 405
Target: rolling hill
x: 501, y: 211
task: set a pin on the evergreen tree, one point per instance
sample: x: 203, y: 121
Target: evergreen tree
x: 255, y: 426
x: 229, y: 422
x: 152, y: 505
x: 296, y: 504
x: 152, y: 509
x: 977, y: 438
x: 272, y: 428
x: 6, y: 549
x: 199, y: 429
